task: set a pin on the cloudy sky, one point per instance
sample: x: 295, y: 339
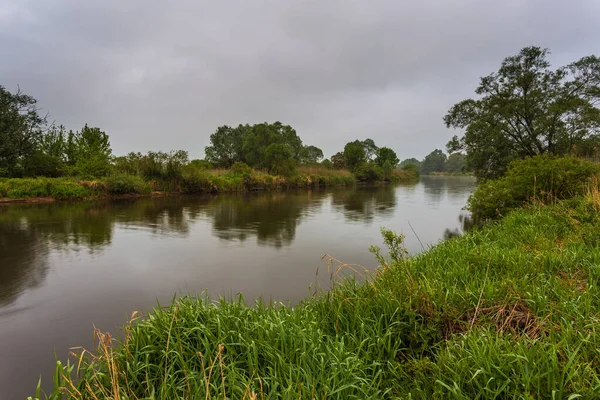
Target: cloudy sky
x: 162, y: 75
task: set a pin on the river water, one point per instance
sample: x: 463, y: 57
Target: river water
x: 66, y: 268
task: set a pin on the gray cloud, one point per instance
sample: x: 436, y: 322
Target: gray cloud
x: 163, y: 75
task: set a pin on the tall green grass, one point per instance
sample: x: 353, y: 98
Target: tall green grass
x: 505, y: 312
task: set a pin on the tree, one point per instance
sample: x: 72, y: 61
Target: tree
x: 92, y: 152
x: 354, y: 155
x: 525, y: 109
x: 370, y: 148
x: 338, y: 161
x: 411, y: 161
x: 20, y: 129
x: 386, y: 154
x: 456, y: 162
x: 311, y: 155
x: 226, y: 145
x: 434, y: 162
x: 327, y: 163
x: 279, y: 159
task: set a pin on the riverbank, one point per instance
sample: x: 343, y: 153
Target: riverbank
x: 39, y: 190
x: 508, y: 311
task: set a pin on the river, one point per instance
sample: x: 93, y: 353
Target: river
x: 66, y: 268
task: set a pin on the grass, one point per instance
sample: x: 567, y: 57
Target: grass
x: 509, y: 311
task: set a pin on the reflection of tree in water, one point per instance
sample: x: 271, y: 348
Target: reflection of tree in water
x: 272, y: 216
x: 28, y: 232
x: 466, y: 223
x: 23, y: 260
x: 455, y: 187
x: 364, y: 203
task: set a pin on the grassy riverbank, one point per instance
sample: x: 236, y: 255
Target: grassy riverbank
x: 194, y: 182
x: 508, y: 311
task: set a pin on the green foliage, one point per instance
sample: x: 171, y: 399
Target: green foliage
x: 241, y: 168
x: 43, y: 164
x: 456, y: 162
x: 385, y: 154
x: 226, y: 145
x: 338, y: 161
x: 92, y: 153
x: 354, y: 155
x: 120, y: 183
x: 411, y: 161
x: 59, y: 188
x: 526, y: 109
x: 370, y: 148
x: 434, y: 162
x: 327, y: 163
x: 368, y: 172
x: 387, y: 170
x: 20, y: 129
x: 311, y: 155
x: 545, y: 178
x: 278, y: 160
x: 200, y: 164
x: 157, y: 164
x: 505, y: 312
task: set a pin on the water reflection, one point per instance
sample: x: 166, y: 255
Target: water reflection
x: 24, y: 260
x: 363, y: 204
x: 271, y: 217
x: 28, y: 233
x: 466, y: 224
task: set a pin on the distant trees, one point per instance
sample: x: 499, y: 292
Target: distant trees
x: 249, y: 144
x: 456, y: 162
x: 527, y: 109
x: 434, y: 162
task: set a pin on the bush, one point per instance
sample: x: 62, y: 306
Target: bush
x: 368, y: 172
x: 241, y: 168
x: 66, y: 189
x: 126, y: 184
x: 544, y: 178
x: 278, y: 160
x: 387, y: 170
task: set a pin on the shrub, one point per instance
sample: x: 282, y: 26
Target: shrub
x: 278, y: 160
x: 387, y: 170
x: 544, y: 178
x: 125, y: 184
x: 241, y: 168
x: 66, y: 189
x: 368, y: 172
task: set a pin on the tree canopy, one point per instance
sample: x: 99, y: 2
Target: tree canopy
x: 384, y: 154
x: 21, y: 127
x: 525, y: 109
x: 248, y: 143
x: 434, y: 162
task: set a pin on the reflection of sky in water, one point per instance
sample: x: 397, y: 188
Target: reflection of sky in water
x: 64, y: 267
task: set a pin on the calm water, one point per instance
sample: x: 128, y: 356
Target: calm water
x: 67, y: 267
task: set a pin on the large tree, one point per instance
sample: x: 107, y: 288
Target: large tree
x: 354, y: 155
x: 226, y: 145
x: 311, y: 155
x: 434, y: 162
x: 527, y: 108
x: 386, y: 154
x: 21, y: 127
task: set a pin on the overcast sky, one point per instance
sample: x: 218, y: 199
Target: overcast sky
x: 162, y: 75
